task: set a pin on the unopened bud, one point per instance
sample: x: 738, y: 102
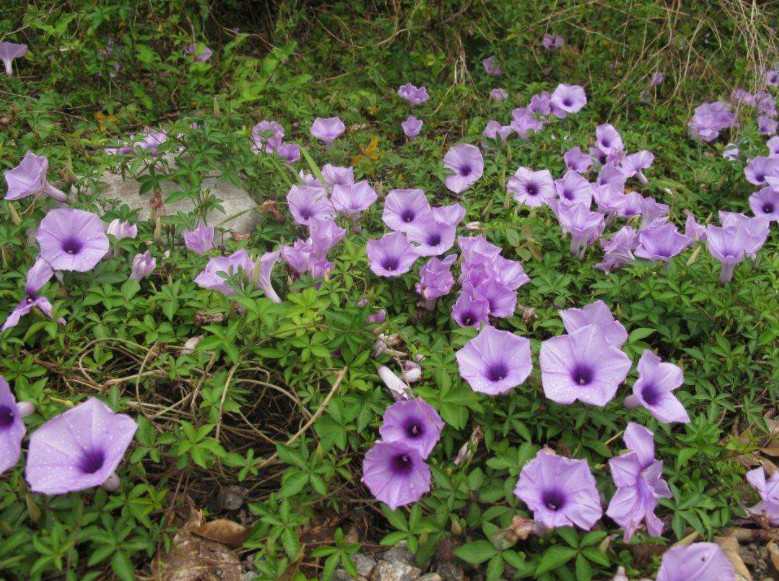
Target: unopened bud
x: 25, y: 408
x: 399, y: 390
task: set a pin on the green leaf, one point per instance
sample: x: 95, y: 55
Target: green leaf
x: 130, y: 288
x: 476, y: 552
x: 293, y: 484
x: 121, y: 565
x: 640, y: 333
x: 583, y: 569
x: 555, y: 557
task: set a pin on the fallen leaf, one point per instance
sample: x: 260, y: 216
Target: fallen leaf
x: 773, y: 552
x: 223, y: 531
x: 730, y: 547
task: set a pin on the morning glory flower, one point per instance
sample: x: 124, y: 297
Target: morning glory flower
x: 395, y: 473
x: 490, y: 66
x: 541, y: 103
x: 308, y: 203
x: 78, y: 449
x: 29, y: 179
x: 757, y: 170
x: 201, y: 52
x: 612, y: 177
x: 495, y: 131
x: 574, y: 188
x: 608, y: 140
x: 618, y: 250
x: 391, y: 255
x: 72, y: 239
x: 756, y: 229
x: 327, y: 129
x: 598, y: 314
x: 289, y: 152
x: 324, y: 234
x: 477, y: 248
x: 773, y: 146
x: 524, y: 122
x: 467, y: 163
x: 732, y: 243
x: 767, y: 125
x: 121, y: 230
x: 143, y: 265
x: 148, y: 142
x: 12, y: 428
x: 412, y: 126
x: 412, y: 94
x: 266, y: 263
x: 435, y: 278
x: 767, y: 489
x: 552, y: 41
x: 39, y: 274
x: 639, y: 480
x: 576, y: 160
x: 403, y: 208
x: 237, y: 262
x: 499, y: 95
x: 634, y: 164
x: 532, y: 188
x: 336, y: 175
x: 651, y: 210
x: 10, y: 51
x: 731, y: 152
x: 696, y: 562
x: 267, y: 136
x: 432, y: 237
x: 200, y: 240
x: 653, y: 390
x: 661, y: 242
x: 567, y: 100
x: 766, y: 203
x: 299, y: 256
x: 495, y: 362
x: 501, y: 299
x: 560, y: 492
x: 709, y: 119
x: 470, y: 310
x: 353, y: 199
x: 412, y: 422
x: 583, y: 225
x: 694, y: 230
x: 582, y: 366
x: 452, y: 214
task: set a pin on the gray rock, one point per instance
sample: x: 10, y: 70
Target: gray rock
x: 396, y: 571
x: 398, y: 553
x: 364, y: 564
x: 239, y: 207
x: 431, y: 577
x: 250, y: 576
x: 450, y: 571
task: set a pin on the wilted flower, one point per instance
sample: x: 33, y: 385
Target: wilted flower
x: 309, y: 203
x: 661, y: 242
x: 72, y: 239
x: 767, y: 489
x: 490, y: 66
x: 696, y: 562
x: 78, y: 449
x: 353, y: 199
x: 403, y: 208
x: 654, y: 389
x: 466, y: 162
x: 10, y: 51
x: 470, y: 310
x: 38, y: 275
x: 412, y: 126
x: 395, y: 473
x: 552, y: 41
x: 618, y: 249
x: 143, y: 265
x: 214, y: 275
x: 412, y: 422
x: 560, y: 492
x: 499, y: 94
x: 711, y: 118
x: 435, y: 278
x: 582, y: 366
x: 12, y: 428
x: 120, y: 230
x: 200, y: 240
x: 29, y: 179
x: 327, y: 129
x: 495, y: 362
x: 267, y: 136
x: 766, y: 203
x: 412, y: 371
x: 532, y: 188
x: 412, y: 94
x: 598, y: 314
x: 639, y: 480
x: 583, y: 225
x: 576, y: 160
x: 391, y: 255
x: 608, y: 139
x: 432, y: 237
x: 201, y: 52
x: 337, y: 175
x: 567, y: 100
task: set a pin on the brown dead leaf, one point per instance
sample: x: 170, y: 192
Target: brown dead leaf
x: 730, y: 547
x: 223, y: 531
x: 269, y: 207
x: 773, y: 552
x: 193, y: 558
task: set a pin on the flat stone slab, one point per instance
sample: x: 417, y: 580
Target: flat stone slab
x: 240, y: 208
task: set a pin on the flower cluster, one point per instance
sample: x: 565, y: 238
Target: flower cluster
x: 268, y: 137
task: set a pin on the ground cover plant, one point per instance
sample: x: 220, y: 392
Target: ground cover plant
x: 509, y: 293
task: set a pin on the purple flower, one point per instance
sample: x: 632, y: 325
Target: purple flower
x: 395, y: 473
x: 583, y: 225
x: 766, y: 203
x: 634, y: 164
x: 639, y: 480
x: 470, y: 310
x: 452, y: 214
x: 495, y: 362
x: 412, y: 94
x: 299, y: 256
x: 324, y: 234
x: 495, y: 131
x: 651, y: 211
x: 29, y: 179
x: 572, y: 187
x: 202, y: 53
x: 532, y: 188
x: 618, y: 249
x: 12, y: 428
x: 731, y: 152
x: 709, y: 119
x: 755, y: 230
x: 477, y: 248
x: 307, y: 179
x: 567, y: 100
x: 541, y: 104
x: 560, y: 492
x: 143, y: 265
x: 613, y: 178
x: 661, y: 242
x: 654, y: 389
x: 327, y: 129
x: 435, y: 278
x: 353, y: 199
x: 552, y: 41
x: 267, y: 262
x: 200, y: 240
x: 608, y: 139
x: 598, y: 314
x: 656, y: 79
x: 78, y: 449
x: 501, y: 299
x: 499, y: 94
x: 760, y: 168
x: 391, y: 255
x: 524, y: 122
x: 289, y: 152
x: 145, y: 142
x: 412, y: 126
x: 309, y: 203
x: 403, y: 208
x: 432, y: 237
x: 214, y: 275
x: 694, y: 230
x: 467, y: 164
x: 767, y: 125
x: 10, y: 51
x: 39, y: 274
x: 336, y: 175
x: 267, y: 136
x: 696, y: 562
x: 768, y: 490
x: 576, y: 160
x: 729, y: 245
x: 490, y: 66
x: 121, y: 230
x: 773, y: 146
x: 72, y: 239
x: 582, y: 366
x: 414, y: 423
